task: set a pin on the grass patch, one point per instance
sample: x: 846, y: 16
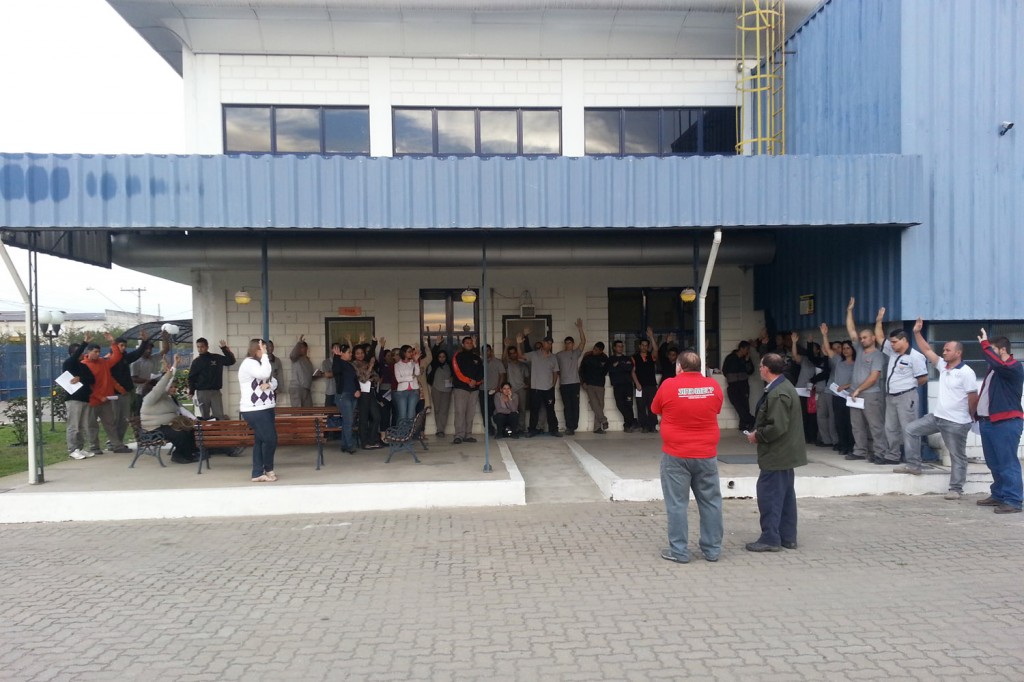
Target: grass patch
x: 14, y: 458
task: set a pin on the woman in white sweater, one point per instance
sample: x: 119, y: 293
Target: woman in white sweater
x: 258, y: 390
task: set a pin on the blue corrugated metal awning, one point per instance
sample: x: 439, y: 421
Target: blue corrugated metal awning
x: 120, y: 192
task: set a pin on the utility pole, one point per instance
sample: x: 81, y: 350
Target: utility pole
x: 138, y: 308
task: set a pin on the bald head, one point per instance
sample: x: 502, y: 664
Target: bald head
x: 688, y: 361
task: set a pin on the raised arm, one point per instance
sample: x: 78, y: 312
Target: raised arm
x: 879, y: 332
x: 583, y: 334
x: 654, y: 347
x: 922, y: 343
x: 825, y: 345
x: 851, y: 326
x: 794, y: 340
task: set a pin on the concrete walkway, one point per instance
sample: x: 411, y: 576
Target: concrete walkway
x: 586, y: 467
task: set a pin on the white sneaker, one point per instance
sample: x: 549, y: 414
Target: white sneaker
x: 76, y: 454
x: 88, y: 453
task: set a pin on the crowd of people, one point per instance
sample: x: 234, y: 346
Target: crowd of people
x: 374, y: 387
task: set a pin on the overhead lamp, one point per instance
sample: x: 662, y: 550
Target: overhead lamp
x: 469, y: 296
x: 688, y: 295
x: 50, y: 322
x: 242, y: 297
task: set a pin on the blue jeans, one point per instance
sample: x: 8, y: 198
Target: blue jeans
x: 955, y: 438
x: 776, y: 500
x: 346, y: 403
x: 999, y: 441
x: 680, y: 475
x: 262, y: 424
x: 405, y: 404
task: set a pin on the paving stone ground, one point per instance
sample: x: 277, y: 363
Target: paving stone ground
x: 881, y: 588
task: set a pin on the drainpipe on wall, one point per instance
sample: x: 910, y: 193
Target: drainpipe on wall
x: 703, y: 296
x: 30, y: 379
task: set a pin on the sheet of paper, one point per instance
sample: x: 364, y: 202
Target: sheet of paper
x: 857, y: 403
x: 639, y: 393
x: 803, y: 392
x: 834, y: 387
x: 64, y: 381
x: 185, y: 413
x: 976, y: 428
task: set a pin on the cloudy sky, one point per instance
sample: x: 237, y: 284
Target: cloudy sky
x: 77, y: 79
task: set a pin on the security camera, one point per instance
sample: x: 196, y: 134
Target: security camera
x: 1005, y: 127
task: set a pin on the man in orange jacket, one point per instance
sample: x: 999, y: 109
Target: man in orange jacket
x: 104, y: 392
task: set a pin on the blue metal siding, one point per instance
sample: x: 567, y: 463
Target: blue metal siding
x: 140, y: 192
x: 963, y: 73
x: 833, y: 265
x: 843, y: 80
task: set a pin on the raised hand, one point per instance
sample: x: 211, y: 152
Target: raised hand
x: 579, y: 323
x: 108, y: 336
x: 824, y: 329
x: 918, y: 326
x: 881, y: 314
x: 983, y: 337
x: 302, y: 337
x: 223, y: 343
x: 850, y: 305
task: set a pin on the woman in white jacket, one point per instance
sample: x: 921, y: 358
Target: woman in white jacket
x: 258, y: 390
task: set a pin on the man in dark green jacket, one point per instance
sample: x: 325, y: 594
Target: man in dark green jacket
x: 779, y: 436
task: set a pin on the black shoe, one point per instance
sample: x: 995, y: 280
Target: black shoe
x: 789, y: 545
x: 184, y: 460
x: 669, y: 556
x: 886, y: 462
x: 762, y: 547
x: 556, y: 434
x: 853, y: 456
x: 350, y: 451
x: 439, y: 434
x: 988, y: 502
x: 469, y: 439
x: 1006, y: 509
x: 570, y: 432
x: 457, y: 441
x: 600, y: 432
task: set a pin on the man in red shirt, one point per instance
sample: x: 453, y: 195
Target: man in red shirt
x: 689, y: 404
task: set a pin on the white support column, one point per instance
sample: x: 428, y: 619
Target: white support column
x: 572, y: 108
x: 202, y: 101
x: 380, y: 106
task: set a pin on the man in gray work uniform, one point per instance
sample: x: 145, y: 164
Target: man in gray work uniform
x: 868, y: 423
x: 906, y: 371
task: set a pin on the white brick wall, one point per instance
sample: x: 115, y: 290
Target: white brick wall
x: 382, y: 83
x: 300, y: 302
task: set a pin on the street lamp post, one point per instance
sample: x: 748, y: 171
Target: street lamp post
x: 49, y: 326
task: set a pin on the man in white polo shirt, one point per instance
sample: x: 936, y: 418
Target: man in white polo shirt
x: 958, y: 396
x: 905, y: 373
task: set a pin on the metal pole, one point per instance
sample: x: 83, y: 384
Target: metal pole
x: 483, y: 336
x: 697, y: 339
x: 29, y: 332
x: 265, y: 284
x: 35, y: 418
x: 705, y: 285
x: 49, y: 337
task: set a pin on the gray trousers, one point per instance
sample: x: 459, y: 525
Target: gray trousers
x: 524, y: 407
x: 900, y: 411
x: 299, y: 396
x: 954, y: 436
x: 105, y: 413
x: 442, y: 401
x: 595, y: 396
x: 869, y: 427
x: 122, y: 413
x: 77, y: 426
x: 465, y: 410
x: 209, y: 404
x: 826, y: 418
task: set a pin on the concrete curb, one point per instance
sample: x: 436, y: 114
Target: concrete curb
x: 264, y: 500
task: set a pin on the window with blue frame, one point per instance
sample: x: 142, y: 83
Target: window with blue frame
x: 280, y: 129
x: 662, y: 131
x: 434, y: 131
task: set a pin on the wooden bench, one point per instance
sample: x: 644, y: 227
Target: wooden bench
x: 233, y: 433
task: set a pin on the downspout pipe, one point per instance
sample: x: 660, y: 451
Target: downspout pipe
x: 704, y: 286
x: 30, y: 383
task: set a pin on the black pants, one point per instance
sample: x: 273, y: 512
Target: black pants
x: 184, y: 442
x: 739, y: 397
x: 485, y: 395
x: 843, y: 426
x: 648, y: 420
x: 570, y: 405
x: 369, y: 417
x: 810, y: 422
x: 624, y: 402
x: 506, y: 422
x: 543, y: 400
